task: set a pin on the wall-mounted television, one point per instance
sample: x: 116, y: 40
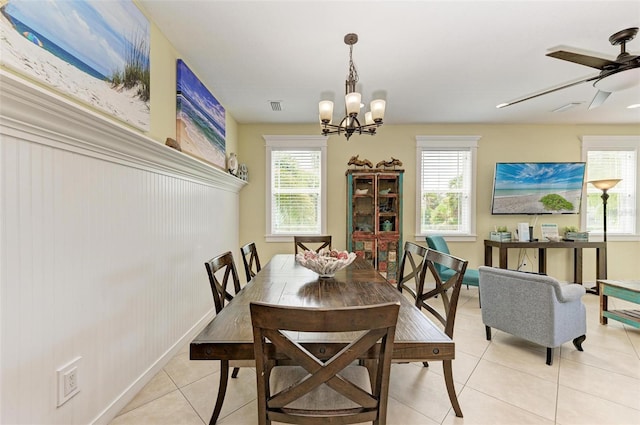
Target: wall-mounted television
x: 537, y: 187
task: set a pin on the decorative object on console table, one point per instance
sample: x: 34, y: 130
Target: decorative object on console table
x: 374, y: 218
x: 500, y: 236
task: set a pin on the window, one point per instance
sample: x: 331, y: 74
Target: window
x: 296, y: 186
x: 609, y: 157
x: 446, y: 174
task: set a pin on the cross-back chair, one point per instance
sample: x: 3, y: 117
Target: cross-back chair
x: 223, y: 274
x: 319, y: 242
x: 252, y: 263
x: 417, y: 261
x: 316, y: 387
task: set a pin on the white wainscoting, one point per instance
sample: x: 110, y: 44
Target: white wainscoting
x: 104, y: 233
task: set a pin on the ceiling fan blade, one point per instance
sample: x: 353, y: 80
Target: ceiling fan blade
x: 592, y: 61
x: 599, y: 99
x: 551, y: 90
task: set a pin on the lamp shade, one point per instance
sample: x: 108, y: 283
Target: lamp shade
x: 352, y: 100
x: 605, y: 184
x: 326, y: 110
x: 377, y: 109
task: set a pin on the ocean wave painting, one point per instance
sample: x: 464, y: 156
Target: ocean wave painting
x: 200, y: 119
x: 94, y: 51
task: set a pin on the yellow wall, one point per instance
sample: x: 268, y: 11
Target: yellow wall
x: 497, y: 143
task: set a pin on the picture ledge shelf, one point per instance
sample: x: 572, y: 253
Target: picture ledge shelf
x: 31, y: 112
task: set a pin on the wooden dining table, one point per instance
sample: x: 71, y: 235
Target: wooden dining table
x: 282, y: 281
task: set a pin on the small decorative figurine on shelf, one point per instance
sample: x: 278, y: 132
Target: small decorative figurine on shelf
x: 359, y: 162
x: 243, y: 172
x: 390, y: 164
x: 232, y: 164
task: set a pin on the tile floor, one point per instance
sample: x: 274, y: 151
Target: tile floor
x: 503, y: 381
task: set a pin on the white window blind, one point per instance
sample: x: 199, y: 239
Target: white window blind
x: 296, y: 191
x: 446, y: 185
x: 621, y: 212
x: 296, y: 186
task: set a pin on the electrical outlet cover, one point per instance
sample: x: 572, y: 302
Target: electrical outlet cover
x: 68, y: 381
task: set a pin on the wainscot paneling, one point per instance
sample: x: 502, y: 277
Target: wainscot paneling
x: 103, y: 233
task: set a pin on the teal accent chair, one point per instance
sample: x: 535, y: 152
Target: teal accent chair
x: 471, y: 276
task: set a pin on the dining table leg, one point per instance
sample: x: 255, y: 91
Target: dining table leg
x: 222, y: 389
x: 451, y: 389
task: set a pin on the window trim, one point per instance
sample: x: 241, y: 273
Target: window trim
x: 292, y: 142
x: 612, y: 143
x: 448, y: 143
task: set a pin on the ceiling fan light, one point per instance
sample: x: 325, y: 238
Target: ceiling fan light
x: 619, y: 81
x: 352, y: 100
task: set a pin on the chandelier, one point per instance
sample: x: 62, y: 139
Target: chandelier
x: 350, y: 124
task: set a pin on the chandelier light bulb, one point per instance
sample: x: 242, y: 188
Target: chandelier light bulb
x: 352, y: 100
x: 326, y: 110
x: 377, y: 109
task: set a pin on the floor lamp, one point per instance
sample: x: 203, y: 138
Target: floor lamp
x: 604, y: 185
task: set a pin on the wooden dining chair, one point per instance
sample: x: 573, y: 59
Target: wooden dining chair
x: 252, y: 263
x: 319, y: 242
x: 417, y: 262
x: 320, y: 386
x: 223, y: 274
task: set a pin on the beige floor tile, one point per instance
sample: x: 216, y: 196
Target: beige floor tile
x: 400, y: 414
x: 634, y: 337
x: 482, y: 409
x: 519, y: 389
x: 240, y: 391
x: 463, y: 366
x: 420, y: 389
x: 602, y: 357
x: 524, y: 359
x: 171, y: 409
x: 613, y: 337
x: 184, y: 371
x: 160, y: 385
x: 578, y: 408
x: 247, y: 414
x: 601, y: 383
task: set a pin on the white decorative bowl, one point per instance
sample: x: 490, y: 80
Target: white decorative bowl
x: 327, y: 262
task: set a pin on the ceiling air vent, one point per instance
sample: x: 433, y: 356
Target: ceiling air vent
x: 276, y: 105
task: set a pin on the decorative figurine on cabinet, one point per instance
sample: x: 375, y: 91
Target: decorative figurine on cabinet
x: 359, y: 162
x: 232, y: 164
x: 390, y: 164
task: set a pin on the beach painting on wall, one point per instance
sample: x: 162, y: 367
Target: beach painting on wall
x: 94, y: 51
x: 200, y: 119
x: 538, y: 187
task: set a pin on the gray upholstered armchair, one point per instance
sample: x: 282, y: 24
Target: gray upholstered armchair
x: 533, y: 307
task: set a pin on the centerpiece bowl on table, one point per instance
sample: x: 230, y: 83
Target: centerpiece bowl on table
x: 326, y: 262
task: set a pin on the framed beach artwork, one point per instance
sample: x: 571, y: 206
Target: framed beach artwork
x: 94, y: 51
x: 200, y: 119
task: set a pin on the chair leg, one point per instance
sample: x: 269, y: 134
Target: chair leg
x: 425, y: 364
x: 577, y: 342
x: 222, y: 389
x: 549, y: 356
x: 234, y: 373
x: 451, y: 389
x: 487, y: 331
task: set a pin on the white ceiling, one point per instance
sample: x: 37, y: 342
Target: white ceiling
x: 434, y: 61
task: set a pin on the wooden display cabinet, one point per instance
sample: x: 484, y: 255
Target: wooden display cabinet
x: 374, y: 218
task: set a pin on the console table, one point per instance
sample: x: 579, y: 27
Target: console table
x: 577, y: 246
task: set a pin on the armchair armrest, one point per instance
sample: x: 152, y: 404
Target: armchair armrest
x: 571, y: 292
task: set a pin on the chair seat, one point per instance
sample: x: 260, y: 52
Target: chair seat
x: 322, y: 397
x: 471, y: 276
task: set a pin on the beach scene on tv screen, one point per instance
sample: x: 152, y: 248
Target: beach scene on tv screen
x: 538, y: 188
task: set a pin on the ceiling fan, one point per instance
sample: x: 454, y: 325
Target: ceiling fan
x: 615, y: 75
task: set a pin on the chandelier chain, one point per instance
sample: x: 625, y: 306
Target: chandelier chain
x: 353, y: 72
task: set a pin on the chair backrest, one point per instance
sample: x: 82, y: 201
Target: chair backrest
x: 370, y: 326
x: 219, y: 287
x: 438, y: 243
x: 412, y: 269
x: 251, y: 264
x: 318, y: 241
